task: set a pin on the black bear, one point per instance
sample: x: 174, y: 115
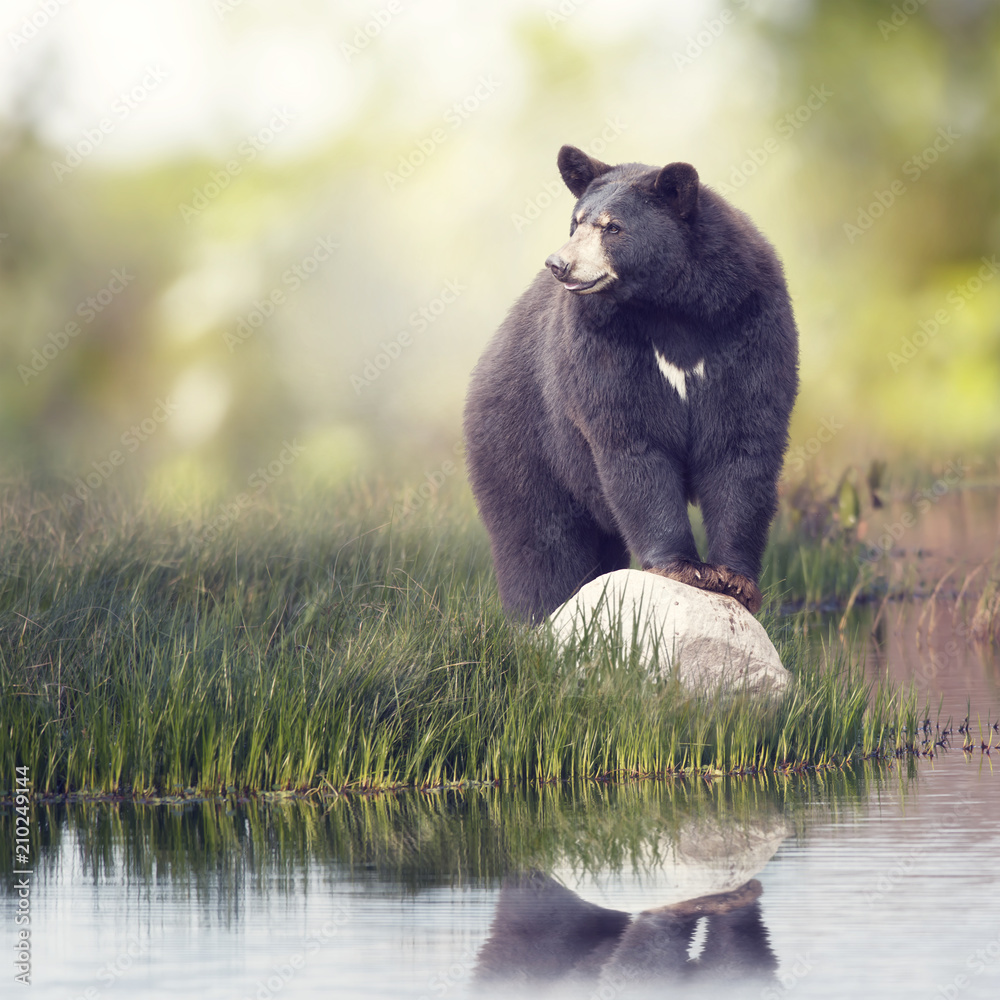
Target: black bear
x: 654, y: 363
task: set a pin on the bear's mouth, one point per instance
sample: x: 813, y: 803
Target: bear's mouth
x: 583, y: 286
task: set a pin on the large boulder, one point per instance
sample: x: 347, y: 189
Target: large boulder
x: 709, y: 638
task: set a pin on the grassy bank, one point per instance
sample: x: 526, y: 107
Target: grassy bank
x: 312, y: 646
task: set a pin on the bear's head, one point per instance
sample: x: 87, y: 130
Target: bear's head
x: 630, y: 226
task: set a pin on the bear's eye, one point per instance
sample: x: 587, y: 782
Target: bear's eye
x: 572, y: 227
x: 612, y: 228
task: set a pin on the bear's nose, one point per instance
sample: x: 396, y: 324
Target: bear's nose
x: 557, y: 266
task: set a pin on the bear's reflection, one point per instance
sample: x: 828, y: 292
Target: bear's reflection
x: 545, y: 934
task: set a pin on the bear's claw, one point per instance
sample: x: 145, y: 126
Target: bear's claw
x: 694, y: 574
x: 718, y: 579
x: 742, y: 588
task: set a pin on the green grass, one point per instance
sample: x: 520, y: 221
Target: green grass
x: 818, y: 573
x: 314, y: 647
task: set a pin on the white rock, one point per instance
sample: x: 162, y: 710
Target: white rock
x: 711, y: 639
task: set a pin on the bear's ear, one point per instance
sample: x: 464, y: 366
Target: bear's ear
x: 578, y: 169
x: 677, y: 185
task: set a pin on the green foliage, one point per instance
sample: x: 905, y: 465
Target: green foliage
x: 896, y: 306
x: 310, y: 648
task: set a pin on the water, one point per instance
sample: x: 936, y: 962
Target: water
x: 877, y: 882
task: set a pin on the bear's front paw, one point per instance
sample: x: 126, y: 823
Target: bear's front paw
x: 718, y: 579
x: 694, y: 574
x: 742, y: 588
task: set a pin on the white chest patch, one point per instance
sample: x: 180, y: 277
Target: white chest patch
x: 678, y: 377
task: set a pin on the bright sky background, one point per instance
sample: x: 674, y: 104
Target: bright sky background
x: 228, y: 63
